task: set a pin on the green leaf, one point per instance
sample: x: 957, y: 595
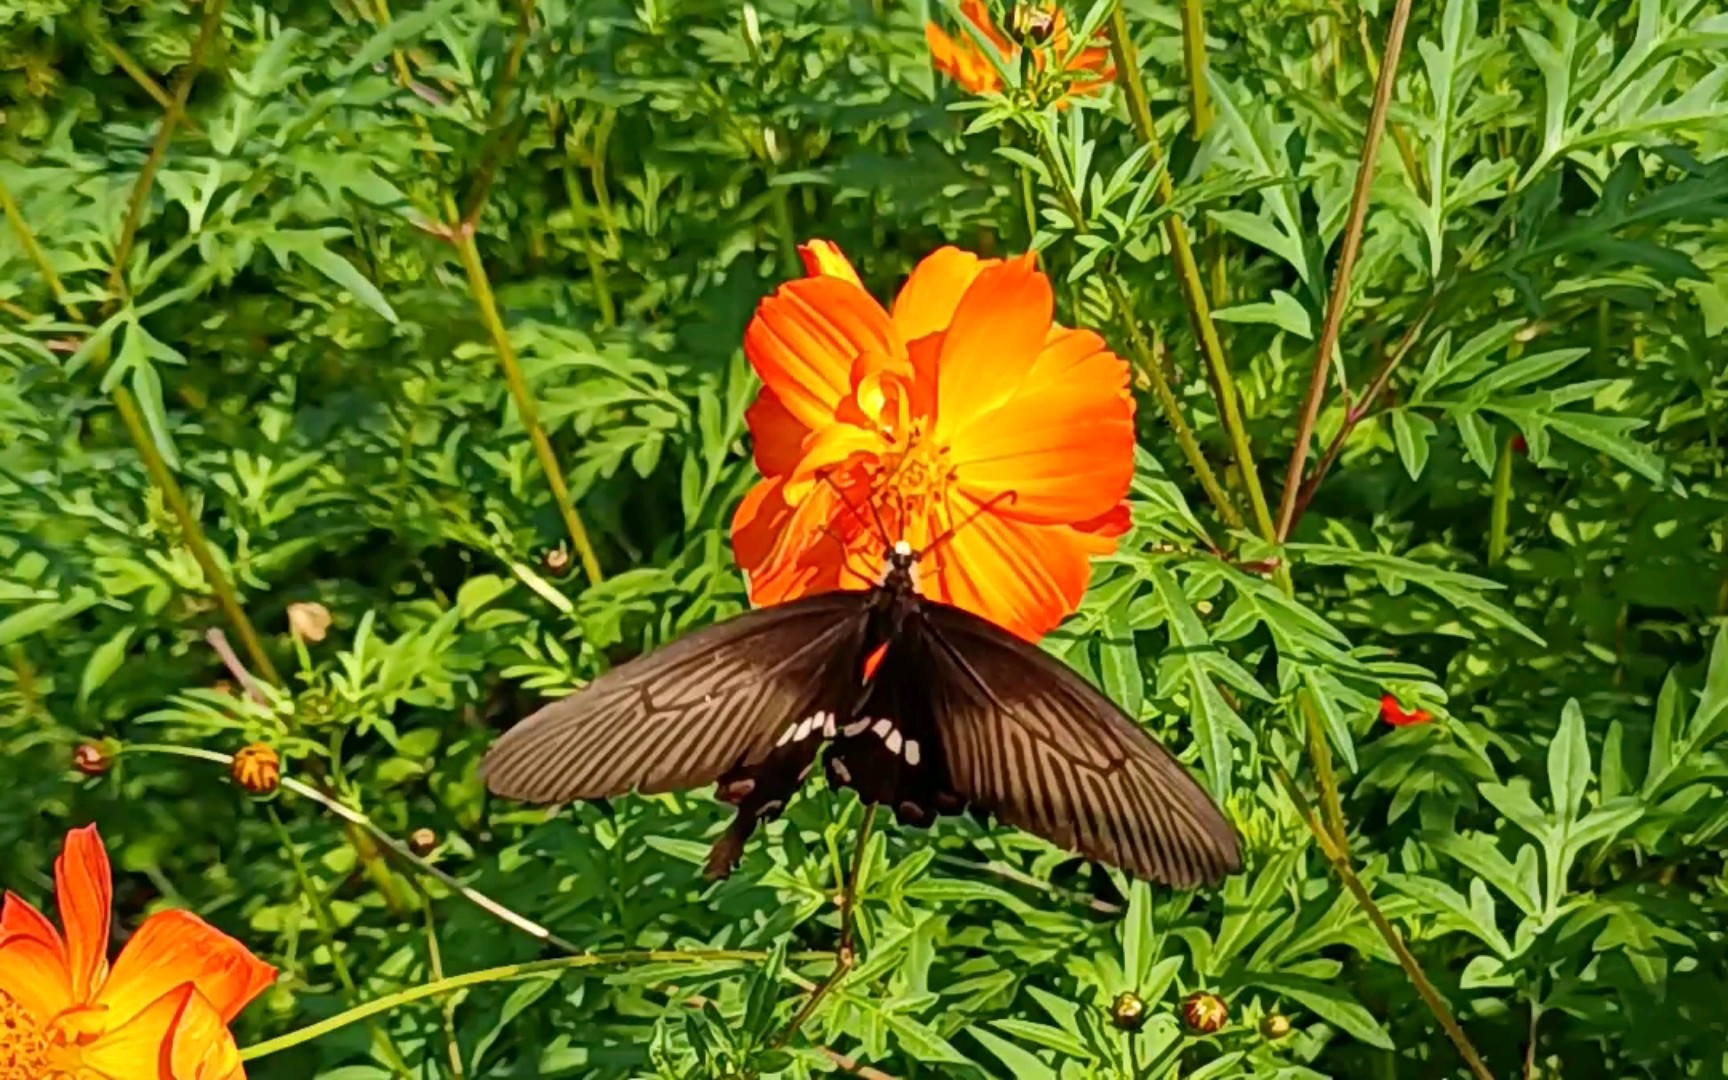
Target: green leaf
x: 1411, y: 432
x: 104, y: 662
x: 1020, y: 1063
x: 1569, y: 772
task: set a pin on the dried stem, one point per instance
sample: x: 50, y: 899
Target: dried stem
x: 1188, y: 275
x: 1352, y: 247
x: 1340, y: 860
x: 390, y: 843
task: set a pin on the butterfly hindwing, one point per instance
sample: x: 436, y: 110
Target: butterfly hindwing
x: 1028, y: 740
x: 725, y: 698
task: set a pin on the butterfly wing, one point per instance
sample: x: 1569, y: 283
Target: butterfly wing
x: 1033, y: 743
x: 712, y: 702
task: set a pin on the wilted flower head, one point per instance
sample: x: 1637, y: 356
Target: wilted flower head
x: 1043, y: 26
x: 1396, y: 715
x: 161, y: 1012
x: 257, y: 769
x: 966, y: 412
x: 309, y: 622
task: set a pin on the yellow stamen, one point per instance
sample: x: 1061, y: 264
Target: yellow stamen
x: 23, y: 1042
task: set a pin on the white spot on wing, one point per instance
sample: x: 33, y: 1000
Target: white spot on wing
x: 857, y: 726
x: 883, y: 727
x: 893, y: 741
x: 827, y: 725
x: 912, y: 752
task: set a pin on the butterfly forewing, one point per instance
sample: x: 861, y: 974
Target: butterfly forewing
x: 1030, y: 741
x: 686, y: 714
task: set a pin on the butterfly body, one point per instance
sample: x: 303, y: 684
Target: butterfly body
x: 916, y: 705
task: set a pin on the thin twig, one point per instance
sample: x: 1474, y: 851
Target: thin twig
x: 219, y: 641
x: 207, y: 29
x: 1200, y: 122
x: 1340, y: 861
x: 327, y: 930
x: 150, y: 86
x: 852, y: 1065
x: 844, y: 955
x: 1188, y: 275
x: 1352, y: 246
x: 396, y: 847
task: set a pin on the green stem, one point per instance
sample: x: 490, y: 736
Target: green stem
x: 1340, y: 860
x: 1500, y: 512
x: 327, y: 929
x: 524, y: 398
x: 1144, y: 354
x: 27, y: 239
x: 1351, y: 248
x: 506, y: 973
x: 1188, y: 276
x: 191, y: 534
x: 493, y: 155
x: 596, y: 261
x: 1200, y: 121
x: 138, y: 75
x: 207, y: 29
x: 784, y: 231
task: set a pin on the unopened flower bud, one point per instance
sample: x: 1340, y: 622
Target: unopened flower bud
x: 92, y: 759
x: 257, y: 769
x: 1275, y: 1026
x: 1128, y: 1011
x: 556, y: 561
x: 422, y: 842
x: 1204, y: 1012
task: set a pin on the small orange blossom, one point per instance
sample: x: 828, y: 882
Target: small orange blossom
x: 960, y: 58
x: 160, y: 1013
x: 1398, y: 716
x: 965, y: 407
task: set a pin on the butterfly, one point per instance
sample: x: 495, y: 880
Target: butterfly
x: 922, y: 707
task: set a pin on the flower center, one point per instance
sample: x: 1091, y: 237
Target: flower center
x: 916, y: 468
x: 23, y: 1042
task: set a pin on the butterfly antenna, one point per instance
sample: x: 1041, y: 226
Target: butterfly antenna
x: 846, y: 555
x: 881, y: 529
x: 948, y: 534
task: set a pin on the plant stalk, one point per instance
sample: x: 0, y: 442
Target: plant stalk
x: 1188, y: 276
x: 1500, y: 511
x: 844, y: 955
x: 1340, y: 861
x: 207, y: 29
x: 1352, y: 247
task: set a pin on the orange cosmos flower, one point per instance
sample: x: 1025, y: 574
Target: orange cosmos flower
x: 966, y: 407
x: 160, y: 1013
x: 960, y: 58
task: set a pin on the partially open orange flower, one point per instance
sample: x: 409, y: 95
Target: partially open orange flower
x: 966, y: 407
x: 960, y: 58
x: 1398, y: 716
x: 160, y: 1013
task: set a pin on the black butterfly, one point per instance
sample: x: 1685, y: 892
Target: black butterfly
x: 955, y: 713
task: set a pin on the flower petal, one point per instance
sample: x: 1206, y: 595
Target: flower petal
x: 174, y: 947
x: 776, y: 436
x: 828, y: 448
x: 1024, y: 578
x: 823, y: 258
x: 141, y: 1048
x: 787, y: 551
x: 33, y: 969
x: 803, y: 339
x: 202, y: 1047
x: 1064, y: 444
x: 83, y: 891
x: 978, y: 13
x: 997, y: 333
x: 933, y: 289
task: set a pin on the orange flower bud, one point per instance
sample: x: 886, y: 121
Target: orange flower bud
x: 1398, y: 716
x: 309, y: 622
x: 1204, y: 1012
x: 257, y: 769
x: 92, y: 759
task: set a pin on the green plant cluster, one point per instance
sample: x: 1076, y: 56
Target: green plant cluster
x: 277, y: 282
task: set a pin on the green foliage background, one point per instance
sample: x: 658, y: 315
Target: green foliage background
x: 1524, y: 534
